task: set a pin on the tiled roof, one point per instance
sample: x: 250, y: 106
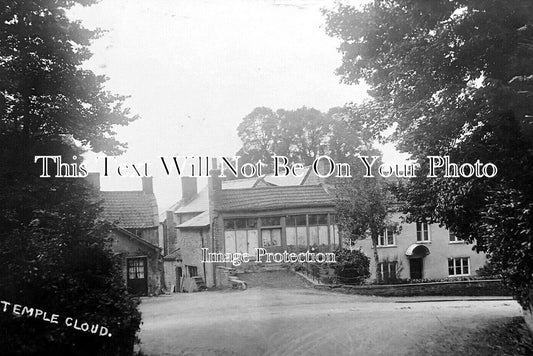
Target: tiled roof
x: 130, y: 209
x: 265, y: 198
x: 198, y: 204
x: 201, y: 203
x: 198, y: 221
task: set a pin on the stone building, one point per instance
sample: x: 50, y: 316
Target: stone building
x: 135, y: 235
x: 239, y: 215
x: 141, y: 262
x: 294, y: 214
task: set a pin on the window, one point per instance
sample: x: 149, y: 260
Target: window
x: 386, y: 237
x: 333, y: 231
x: 459, y: 266
x: 234, y: 224
x: 454, y: 238
x: 318, y: 229
x: 192, y: 271
x: 271, y: 237
x: 240, y: 235
x: 271, y: 221
x: 296, y: 230
x: 387, y: 271
x: 317, y: 225
x: 422, y: 232
x: 136, y: 268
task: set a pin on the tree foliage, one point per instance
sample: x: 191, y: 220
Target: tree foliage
x: 352, y: 266
x: 60, y: 262
x: 301, y: 135
x: 45, y: 91
x: 363, y: 207
x: 53, y: 250
x: 450, y: 77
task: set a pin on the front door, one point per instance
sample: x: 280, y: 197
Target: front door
x: 416, y: 266
x: 137, y: 281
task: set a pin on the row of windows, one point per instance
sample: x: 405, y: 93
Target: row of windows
x: 242, y: 234
x: 301, y: 231
x: 293, y: 220
x: 456, y: 267
x: 388, y: 238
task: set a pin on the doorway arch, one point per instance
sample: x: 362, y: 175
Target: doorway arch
x: 416, y: 254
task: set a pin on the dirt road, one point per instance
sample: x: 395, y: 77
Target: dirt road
x: 303, y: 321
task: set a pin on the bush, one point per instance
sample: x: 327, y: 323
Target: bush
x: 489, y: 270
x: 57, y: 259
x: 352, y: 266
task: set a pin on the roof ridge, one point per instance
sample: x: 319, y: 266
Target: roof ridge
x: 278, y: 187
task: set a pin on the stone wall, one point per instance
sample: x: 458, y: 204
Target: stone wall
x: 459, y: 288
x: 150, y: 234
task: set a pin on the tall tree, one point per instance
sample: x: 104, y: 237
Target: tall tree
x: 260, y: 133
x: 363, y: 207
x: 54, y: 253
x: 303, y: 130
x: 444, y: 75
x: 347, y: 136
x: 301, y: 135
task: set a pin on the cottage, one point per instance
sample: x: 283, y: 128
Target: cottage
x: 135, y: 236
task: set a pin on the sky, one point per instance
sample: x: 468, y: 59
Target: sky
x: 195, y: 68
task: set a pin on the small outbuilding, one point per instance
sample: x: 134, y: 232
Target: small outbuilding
x: 135, y: 234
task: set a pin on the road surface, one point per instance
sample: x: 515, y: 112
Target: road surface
x: 303, y: 321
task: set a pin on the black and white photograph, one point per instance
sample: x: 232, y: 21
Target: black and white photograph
x: 266, y: 177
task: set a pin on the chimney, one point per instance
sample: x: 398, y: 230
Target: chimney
x: 214, y: 186
x: 214, y: 181
x: 148, y: 185
x: 188, y: 188
x: 94, y: 179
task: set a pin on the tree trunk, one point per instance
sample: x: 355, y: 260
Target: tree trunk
x: 376, y: 256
